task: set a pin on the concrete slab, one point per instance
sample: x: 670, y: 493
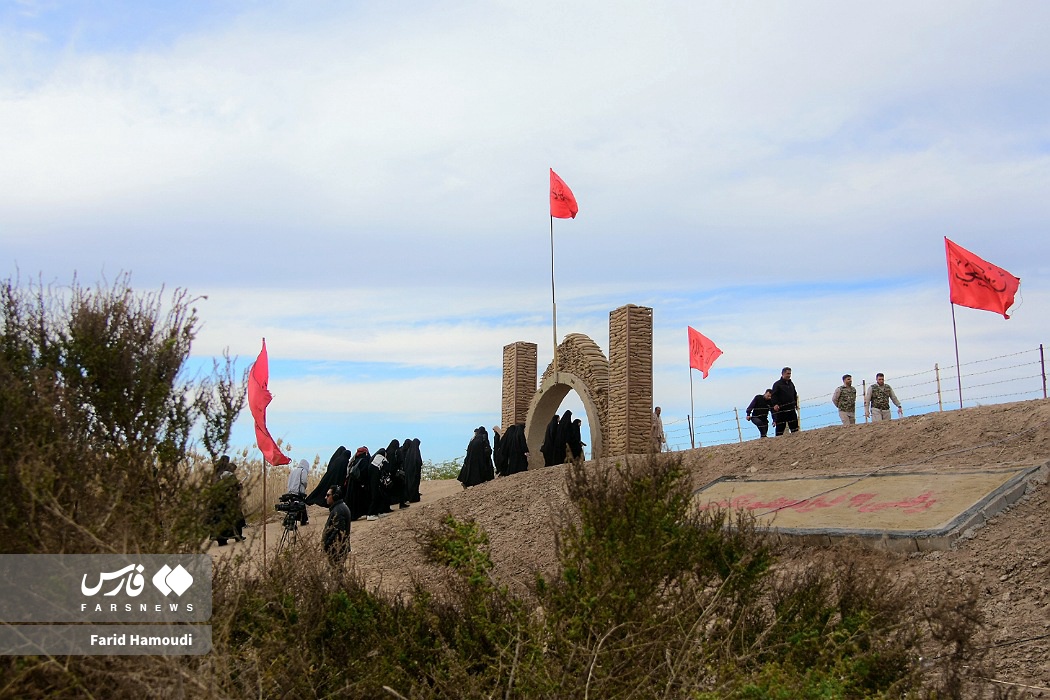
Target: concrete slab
x: 906, y: 512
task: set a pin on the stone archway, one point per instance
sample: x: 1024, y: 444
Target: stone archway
x: 582, y: 367
x: 617, y: 392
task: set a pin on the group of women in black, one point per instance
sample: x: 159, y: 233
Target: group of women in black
x: 508, y: 455
x: 372, y: 483
x: 562, y: 440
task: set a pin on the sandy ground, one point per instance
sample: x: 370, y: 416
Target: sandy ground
x: 1008, y: 558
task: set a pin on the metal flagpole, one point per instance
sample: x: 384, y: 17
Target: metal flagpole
x: 958, y: 367
x: 264, y: 514
x: 554, y: 305
x: 692, y: 418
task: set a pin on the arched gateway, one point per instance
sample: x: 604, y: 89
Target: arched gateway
x: 617, y: 393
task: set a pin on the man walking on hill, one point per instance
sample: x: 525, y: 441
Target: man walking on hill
x: 845, y: 399
x: 877, y: 400
x: 785, y: 403
x: 758, y: 411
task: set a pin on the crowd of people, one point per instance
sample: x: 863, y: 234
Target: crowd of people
x: 371, y: 484
x: 508, y: 453
x: 366, y: 485
x: 780, y: 403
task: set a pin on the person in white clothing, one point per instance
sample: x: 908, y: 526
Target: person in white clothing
x: 297, y: 485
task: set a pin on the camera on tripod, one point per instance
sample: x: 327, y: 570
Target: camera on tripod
x: 291, y: 503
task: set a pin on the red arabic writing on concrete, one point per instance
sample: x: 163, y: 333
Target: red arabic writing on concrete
x: 861, y: 502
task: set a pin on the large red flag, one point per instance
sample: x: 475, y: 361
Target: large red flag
x: 978, y: 284
x: 702, y: 351
x: 563, y: 204
x: 259, y: 398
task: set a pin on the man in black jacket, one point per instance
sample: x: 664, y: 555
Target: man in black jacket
x: 758, y: 411
x: 785, y: 403
x: 337, y: 530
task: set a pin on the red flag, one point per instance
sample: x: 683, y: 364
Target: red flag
x: 702, y: 351
x: 978, y: 284
x: 563, y: 204
x: 259, y: 398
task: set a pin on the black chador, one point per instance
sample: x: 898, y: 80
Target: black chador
x: 550, y: 437
x: 412, y: 462
x: 564, y: 437
x: 335, y: 475
x: 516, y: 449
x: 477, y: 465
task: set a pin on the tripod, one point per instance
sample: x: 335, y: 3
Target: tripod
x: 291, y: 531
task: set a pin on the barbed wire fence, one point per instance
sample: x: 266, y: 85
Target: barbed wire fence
x: 1016, y: 376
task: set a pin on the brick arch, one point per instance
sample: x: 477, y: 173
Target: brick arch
x: 582, y: 367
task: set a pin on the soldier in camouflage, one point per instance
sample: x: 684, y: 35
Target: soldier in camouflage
x: 845, y: 399
x: 877, y: 400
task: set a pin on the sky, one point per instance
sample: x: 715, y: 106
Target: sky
x: 365, y: 185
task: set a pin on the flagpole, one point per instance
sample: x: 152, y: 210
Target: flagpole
x: 692, y: 418
x: 958, y: 367
x: 264, y: 513
x: 554, y: 305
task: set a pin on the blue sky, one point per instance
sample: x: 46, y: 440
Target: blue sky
x: 366, y: 187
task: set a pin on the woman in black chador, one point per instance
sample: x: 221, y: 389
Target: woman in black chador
x: 395, y: 459
x: 575, y: 441
x: 412, y: 463
x: 550, y: 439
x: 477, y: 465
x: 564, y: 437
x: 511, y: 450
x: 358, y: 485
x: 335, y: 475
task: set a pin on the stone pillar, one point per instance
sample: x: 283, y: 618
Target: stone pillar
x: 519, y: 381
x: 630, y: 381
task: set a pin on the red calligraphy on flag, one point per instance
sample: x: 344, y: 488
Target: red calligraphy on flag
x: 978, y: 284
x: 702, y: 351
x: 563, y: 203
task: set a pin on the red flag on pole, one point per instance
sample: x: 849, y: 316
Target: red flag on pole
x: 563, y: 203
x: 978, y: 284
x: 259, y: 398
x: 702, y: 351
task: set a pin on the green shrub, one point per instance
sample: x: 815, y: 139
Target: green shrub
x: 449, y: 469
x: 97, y: 419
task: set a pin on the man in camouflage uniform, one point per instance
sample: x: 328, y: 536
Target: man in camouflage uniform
x: 877, y: 400
x: 845, y: 399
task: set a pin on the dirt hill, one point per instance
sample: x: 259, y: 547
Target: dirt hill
x: 1008, y: 558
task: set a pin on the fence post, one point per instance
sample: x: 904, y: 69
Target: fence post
x: 739, y: 434
x: 863, y: 397
x: 937, y: 370
x: 1042, y: 366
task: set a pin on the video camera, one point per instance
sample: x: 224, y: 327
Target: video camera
x: 291, y: 503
